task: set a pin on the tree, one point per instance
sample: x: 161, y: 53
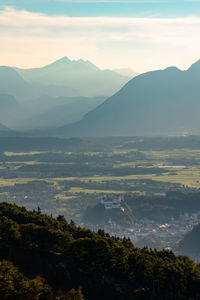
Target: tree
x: 14, y: 285
x: 75, y: 294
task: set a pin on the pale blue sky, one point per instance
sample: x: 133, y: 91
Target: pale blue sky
x: 162, y: 8
x: 143, y: 35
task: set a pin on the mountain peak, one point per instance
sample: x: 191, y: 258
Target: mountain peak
x: 66, y: 62
x: 62, y: 60
x: 86, y: 63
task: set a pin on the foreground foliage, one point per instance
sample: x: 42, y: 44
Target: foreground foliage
x: 66, y: 257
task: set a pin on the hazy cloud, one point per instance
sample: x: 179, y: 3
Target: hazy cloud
x: 32, y: 39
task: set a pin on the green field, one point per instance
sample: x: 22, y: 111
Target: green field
x: 61, y: 181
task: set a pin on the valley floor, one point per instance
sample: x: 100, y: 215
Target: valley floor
x: 73, y: 184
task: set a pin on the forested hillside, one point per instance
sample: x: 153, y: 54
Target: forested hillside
x: 70, y: 260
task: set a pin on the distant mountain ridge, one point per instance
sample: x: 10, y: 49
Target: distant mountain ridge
x: 31, y: 98
x: 44, y: 112
x: 64, y: 77
x: 154, y: 103
x: 55, y: 112
x: 7, y: 102
x: 80, y: 75
x: 3, y: 127
x: 12, y: 83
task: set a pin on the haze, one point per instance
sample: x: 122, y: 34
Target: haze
x: 143, y: 35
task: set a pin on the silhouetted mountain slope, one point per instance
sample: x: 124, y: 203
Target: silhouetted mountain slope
x: 3, y: 127
x: 53, y: 90
x: 12, y: 83
x: 9, y: 107
x: 159, y: 102
x: 190, y: 244
x: 7, y: 132
x: 58, y: 115
x: 49, y: 112
x: 82, y: 76
x: 8, y: 102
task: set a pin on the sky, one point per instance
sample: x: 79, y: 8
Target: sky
x: 142, y: 35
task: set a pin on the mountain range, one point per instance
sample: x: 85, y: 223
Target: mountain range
x: 161, y: 102
x: 74, y: 77
x: 63, y: 77
x: 154, y: 103
x: 54, y: 95
x: 44, y: 112
x: 53, y: 112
